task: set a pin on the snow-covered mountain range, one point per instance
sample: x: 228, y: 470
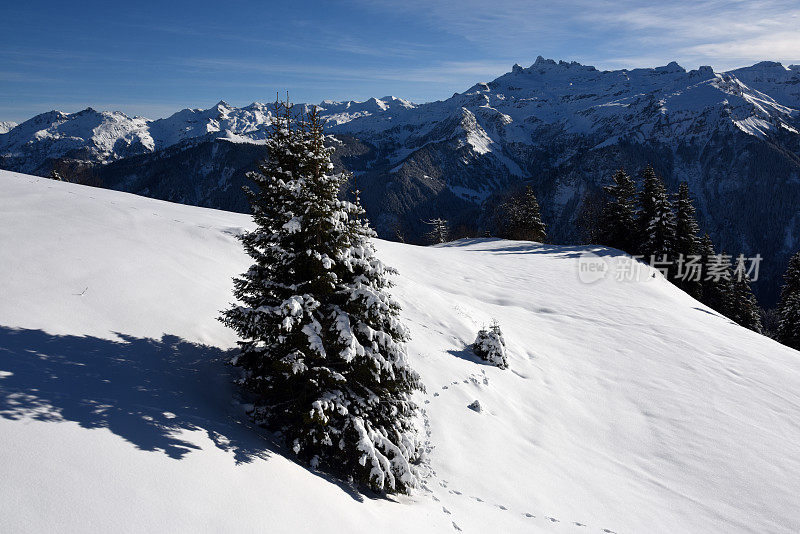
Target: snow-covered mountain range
x: 106, y: 136
x: 760, y: 100
x: 561, y: 127
x: 627, y: 407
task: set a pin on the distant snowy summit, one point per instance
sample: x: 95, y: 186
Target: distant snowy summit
x: 5, y: 126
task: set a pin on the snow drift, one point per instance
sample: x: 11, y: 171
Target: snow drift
x: 627, y: 406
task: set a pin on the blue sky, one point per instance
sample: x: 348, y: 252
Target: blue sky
x: 153, y: 58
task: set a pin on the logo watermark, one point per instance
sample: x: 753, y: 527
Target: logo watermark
x: 593, y: 268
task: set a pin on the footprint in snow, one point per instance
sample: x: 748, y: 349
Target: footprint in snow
x: 456, y: 526
x: 609, y: 531
x: 552, y: 519
x: 529, y: 515
x: 445, y: 510
x: 578, y: 524
x: 501, y: 507
x: 455, y: 492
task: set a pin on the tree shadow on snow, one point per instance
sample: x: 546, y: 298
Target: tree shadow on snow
x: 467, y: 354
x: 143, y: 390
x: 530, y: 247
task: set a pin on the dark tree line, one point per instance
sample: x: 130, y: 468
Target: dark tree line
x: 789, y: 306
x: 662, y: 230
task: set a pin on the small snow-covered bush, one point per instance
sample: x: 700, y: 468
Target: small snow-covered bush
x: 491, y: 346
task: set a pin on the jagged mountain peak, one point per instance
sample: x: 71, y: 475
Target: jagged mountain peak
x: 543, y: 61
x: 672, y: 66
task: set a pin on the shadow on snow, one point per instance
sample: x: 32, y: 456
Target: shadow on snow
x: 531, y: 247
x: 145, y: 391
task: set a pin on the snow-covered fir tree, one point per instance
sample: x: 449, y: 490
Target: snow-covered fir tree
x: 618, y: 216
x: 519, y: 217
x: 440, y: 231
x: 744, y: 306
x: 789, y: 307
x: 716, y: 277
x: 490, y: 345
x: 687, y: 238
x: 656, y: 219
x: 321, y: 346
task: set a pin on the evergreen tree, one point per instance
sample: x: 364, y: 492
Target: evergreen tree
x: 520, y: 218
x: 321, y: 346
x: 789, y: 307
x: 618, y: 216
x: 54, y: 175
x: 687, y: 240
x: 588, y: 216
x: 656, y: 221
x: 745, y: 310
x: 440, y: 231
x: 726, y: 288
x: 716, y: 278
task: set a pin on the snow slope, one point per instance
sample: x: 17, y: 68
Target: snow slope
x: 628, y: 406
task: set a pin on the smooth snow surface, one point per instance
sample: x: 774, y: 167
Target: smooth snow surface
x: 627, y: 406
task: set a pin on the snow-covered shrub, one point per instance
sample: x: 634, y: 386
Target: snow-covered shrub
x: 491, y: 346
x: 475, y: 406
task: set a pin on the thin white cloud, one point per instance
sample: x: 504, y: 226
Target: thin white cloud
x: 721, y: 33
x: 438, y: 72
